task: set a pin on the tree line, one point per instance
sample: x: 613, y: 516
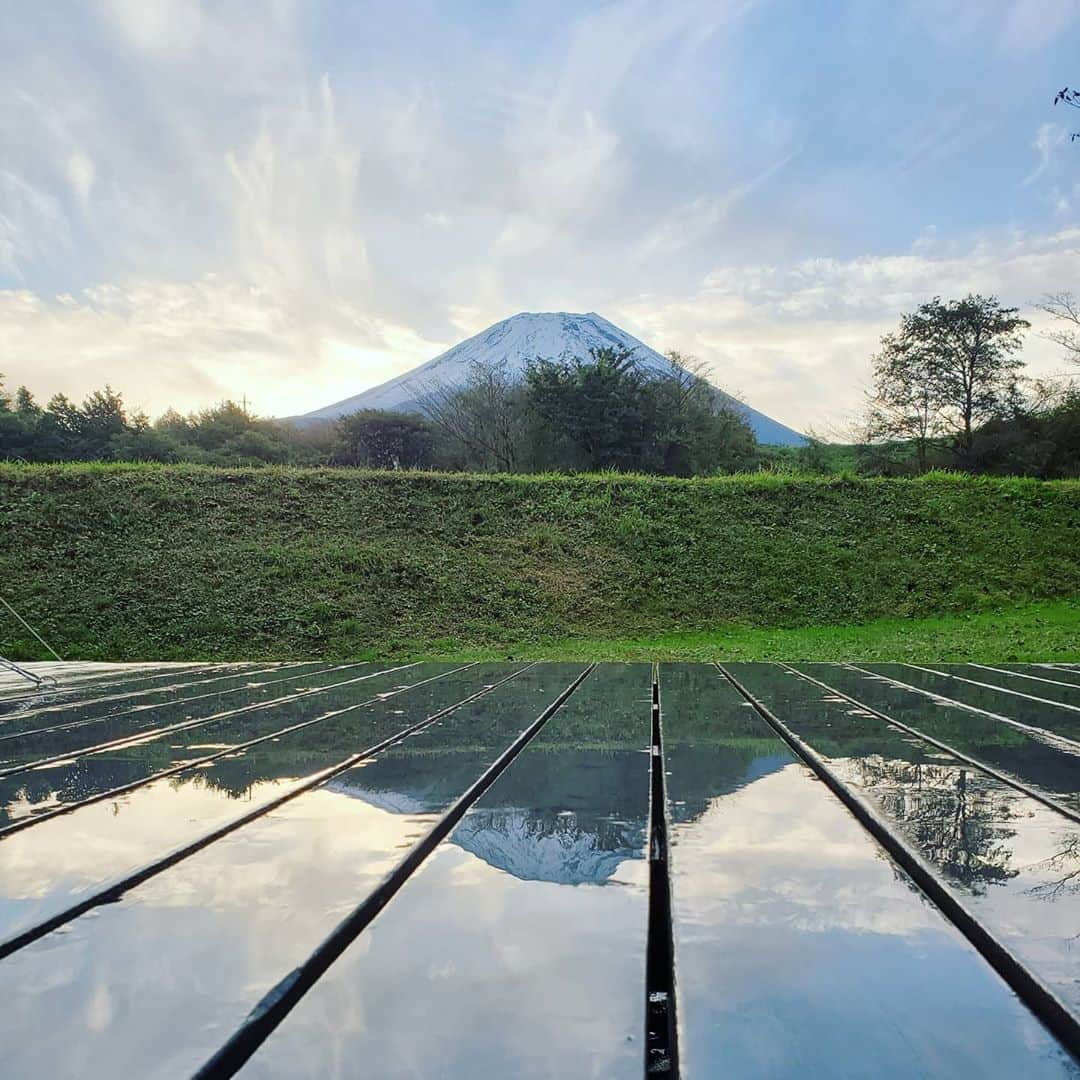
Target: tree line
x: 604, y: 411
x: 948, y: 390
x: 102, y: 429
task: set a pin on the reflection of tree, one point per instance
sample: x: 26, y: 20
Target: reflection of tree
x: 1065, y: 868
x: 956, y: 820
x: 957, y: 824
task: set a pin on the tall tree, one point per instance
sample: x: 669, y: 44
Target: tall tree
x: 951, y: 367
x: 383, y: 440
x: 483, y: 418
x: 596, y: 404
x: 904, y: 402
x: 977, y: 370
x: 100, y: 419
x: 25, y: 405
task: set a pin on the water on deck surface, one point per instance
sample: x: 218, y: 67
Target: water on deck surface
x: 542, y: 870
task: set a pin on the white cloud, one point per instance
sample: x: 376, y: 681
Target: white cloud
x: 1049, y: 139
x: 32, y: 223
x: 294, y: 202
x: 295, y: 205
x: 159, y: 27
x: 80, y: 171
x: 189, y: 344
x: 795, y: 340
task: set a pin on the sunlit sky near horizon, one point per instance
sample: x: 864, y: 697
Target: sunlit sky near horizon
x: 292, y: 201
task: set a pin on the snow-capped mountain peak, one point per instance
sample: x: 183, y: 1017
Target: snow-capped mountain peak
x: 552, y: 335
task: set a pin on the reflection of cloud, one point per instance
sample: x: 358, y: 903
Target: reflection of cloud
x: 782, y: 852
x: 233, y: 920
x: 474, y: 972
x: 818, y: 935
x: 101, y: 841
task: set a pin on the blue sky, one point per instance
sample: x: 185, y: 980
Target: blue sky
x: 294, y: 200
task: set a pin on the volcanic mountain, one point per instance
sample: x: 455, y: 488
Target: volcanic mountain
x: 517, y: 340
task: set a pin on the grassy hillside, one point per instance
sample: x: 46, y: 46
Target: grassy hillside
x: 129, y: 562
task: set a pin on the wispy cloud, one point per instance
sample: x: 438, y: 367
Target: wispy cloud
x: 294, y: 201
x: 1049, y: 139
x: 796, y: 338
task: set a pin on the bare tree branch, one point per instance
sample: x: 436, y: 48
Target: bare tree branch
x: 1065, y: 308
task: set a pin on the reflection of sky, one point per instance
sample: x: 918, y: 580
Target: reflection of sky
x: 45, y: 869
x: 152, y: 985
x: 517, y: 950
x: 800, y: 952
x: 472, y: 972
x: 1032, y: 844
x: 998, y: 850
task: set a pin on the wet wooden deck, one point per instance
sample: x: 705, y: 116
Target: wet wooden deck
x: 539, y: 870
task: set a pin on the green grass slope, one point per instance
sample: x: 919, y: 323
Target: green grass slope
x: 169, y: 562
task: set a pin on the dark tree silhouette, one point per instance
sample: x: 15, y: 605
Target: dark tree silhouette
x: 383, y: 440
x: 961, y: 828
x: 1069, y: 96
x: 949, y: 369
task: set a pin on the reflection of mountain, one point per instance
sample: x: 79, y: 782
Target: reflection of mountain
x: 698, y: 775
x: 568, y: 816
x: 542, y: 847
x: 406, y: 783
x: 393, y: 802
